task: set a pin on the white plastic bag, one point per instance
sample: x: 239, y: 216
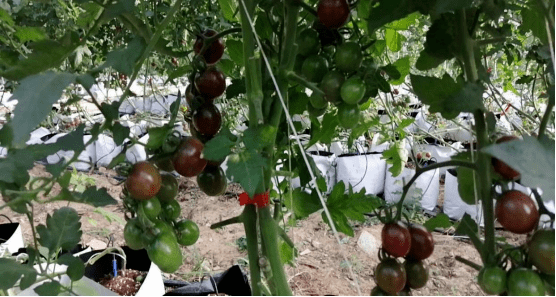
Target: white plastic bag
x: 424, y: 190
x: 454, y: 207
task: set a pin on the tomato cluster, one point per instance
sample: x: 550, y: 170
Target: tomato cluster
x: 333, y: 64
x: 415, y: 244
x: 153, y: 225
x: 206, y: 120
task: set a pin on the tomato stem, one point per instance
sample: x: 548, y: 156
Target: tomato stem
x: 469, y: 263
x: 249, y: 216
x: 302, y: 81
x: 230, y: 221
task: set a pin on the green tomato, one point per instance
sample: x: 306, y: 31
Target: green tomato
x: 417, y: 273
x: 314, y: 68
x: 316, y: 112
x: 308, y: 42
x: 330, y: 85
x: 151, y: 208
x: 171, y: 210
x: 541, y: 250
x: 492, y: 280
x: 348, y: 57
x: 525, y: 282
x: 353, y: 90
x: 169, y: 188
x: 317, y: 101
x: 188, y: 232
x: 134, y: 235
x: 348, y: 115
x: 165, y: 252
x: 212, y: 181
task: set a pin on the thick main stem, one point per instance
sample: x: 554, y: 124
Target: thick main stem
x: 250, y: 224
x: 484, y: 179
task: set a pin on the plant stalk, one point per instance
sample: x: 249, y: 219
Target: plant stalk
x: 250, y: 225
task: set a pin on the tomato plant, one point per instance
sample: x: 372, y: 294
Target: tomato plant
x: 517, y: 212
x: 143, y: 181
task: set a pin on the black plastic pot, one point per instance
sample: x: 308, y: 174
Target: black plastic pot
x: 138, y: 260
x: 232, y: 282
x: 359, y: 154
x: 7, y: 230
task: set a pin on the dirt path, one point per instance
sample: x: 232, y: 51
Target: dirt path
x: 319, y: 270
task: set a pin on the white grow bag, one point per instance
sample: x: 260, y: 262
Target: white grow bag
x: 325, y: 162
x: 454, y: 207
x: 424, y: 190
x: 11, y: 238
x: 366, y: 170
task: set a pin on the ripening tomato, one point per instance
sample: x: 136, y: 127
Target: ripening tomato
x: 331, y: 85
x: 207, y: 119
x: 210, y: 83
x: 212, y: 180
x: 422, y: 243
x: 214, y: 51
x: 517, y: 212
x: 541, y: 250
x: 417, y: 273
x: 396, y: 239
x: 169, y: 189
x: 187, y: 232
x: 308, y: 42
x: 143, y: 181
x: 348, y: 57
x: 187, y: 158
x: 314, y: 68
x: 390, y: 276
x: 333, y: 13
x: 133, y: 235
x: 502, y: 168
x: 348, y: 115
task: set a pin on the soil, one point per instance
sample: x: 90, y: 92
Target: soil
x: 125, y: 283
x: 319, y: 269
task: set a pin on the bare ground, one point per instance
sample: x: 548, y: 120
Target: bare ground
x: 320, y: 268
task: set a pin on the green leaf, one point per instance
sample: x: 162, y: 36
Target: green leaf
x: 246, y: 168
x: 36, y: 94
x: 236, y: 88
x: 263, y: 26
x: 524, y: 79
x: 440, y: 221
x: 62, y: 230
x: 363, y: 126
x: 76, y: 267
x: 440, y: 38
x: 6, y: 18
x: 259, y: 137
x: 92, y: 195
x: 534, y: 21
x: 157, y: 135
x: 46, y: 54
x: 532, y: 158
x: 340, y: 222
x: 392, y: 71
x: 388, y: 11
x: 26, y: 34
x: 466, y: 185
x: 220, y: 146
x: 52, y: 288
x: 286, y: 253
x: 393, y: 40
x: 403, y: 24
x: 402, y: 66
x: 120, y: 133
x: 447, y: 96
x: 378, y: 47
x: 395, y: 157
x: 304, y: 176
x: 336, y: 196
x: 303, y: 204
x: 12, y: 271
x: 88, y: 15
x: 325, y: 133
x: 110, y: 111
x: 179, y: 72
x: 426, y: 61
x: 468, y: 227
x: 235, y: 51
x: 228, y: 8
x: 123, y: 60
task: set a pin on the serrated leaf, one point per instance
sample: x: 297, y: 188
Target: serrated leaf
x: 120, y: 133
x: 263, y: 27
x: 304, y: 175
x: 534, y: 21
x: 392, y: 71
x: 219, y: 147
x: 402, y: 66
x: 439, y: 221
x: 110, y: 111
x: 286, y: 253
x: 363, y: 126
x: 303, y: 204
x: 235, y: 51
x: 259, y: 137
x: 447, y: 96
x: 298, y: 102
x: 117, y: 8
x: 157, y: 135
x: 340, y: 222
x: 337, y: 195
x: 62, y: 230
x: 468, y: 227
x: 35, y: 96
x: 52, y: 288
x: 179, y: 72
x: 88, y: 15
x: 532, y: 158
x: 228, y: 7
x: 76, y: 267
x: 378, y: 47
x: 246, y: 168
x: 403, y: 24
x: 47, y: 54
x: 6, y: 18
x: 12, y: 271
x: 325, y: 133
x: 394, y: 157
x: 26, y: 34
x: 386, y: 12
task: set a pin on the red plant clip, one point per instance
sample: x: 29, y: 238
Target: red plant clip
x: 260, y: 200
